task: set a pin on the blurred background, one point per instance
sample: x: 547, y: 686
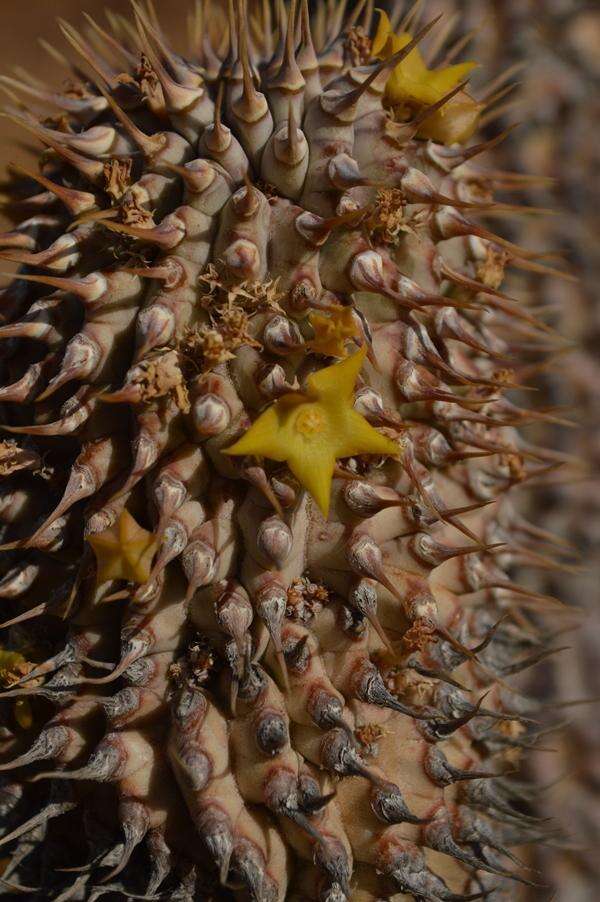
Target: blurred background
x: 22, y: 24
x: 550, y: 51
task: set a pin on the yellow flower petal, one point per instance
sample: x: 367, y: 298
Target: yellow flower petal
x: 23, y: 713
x: 413, y: 83
x: 446, y: 79
x: 13, y: 665
x: 384, y: 31
x: 361, y: 438
x: 332, y: 331
x: 124, y: 551
x: 262, y: 437
x: 337, y: 381
x: 455, y: 122
x: 314, y: 472
x: 310, y: 431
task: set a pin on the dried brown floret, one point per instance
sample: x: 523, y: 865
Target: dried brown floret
x: 159, y: 375
x: 305, y: 599
x: 388, y: 221
x: 131, y: 212
x: 357, y: 45
x: 368, y: 736
x: 418, y: 636
x: 195, y: 667
x: 253, y: 296
x: 60, y: 123
x: 117, y: 178
x: 491, y: 270
x: 408, y: 685
x: 148, y: 81
x: 205, y: 348
x: 14, y: 458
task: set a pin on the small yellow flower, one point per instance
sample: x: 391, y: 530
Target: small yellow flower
x: 413, y: 83
x: 11, y: 666
x: 311, y: 430
x: 14, y: 666
x: 124, y: 551
x: 333, y: 331
x: 23, y: 713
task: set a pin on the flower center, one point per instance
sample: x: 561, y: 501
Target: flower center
x: 309, y: 421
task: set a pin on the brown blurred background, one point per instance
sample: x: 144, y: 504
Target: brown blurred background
x: 22, y: 22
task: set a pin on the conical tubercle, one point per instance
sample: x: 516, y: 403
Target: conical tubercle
x: 51, y: 810
x: 83, y: 356
x: 270, y: 601
x: 177, y: 96
x: 88, y: 288
x: 149, y: 146
x: 77, y: 202
x: 250, y: 109
x: 48, y: 744
x: 286, y: 86
x: 59, y: 257
x: 289, y: 143
x: 88, y: 473
x: 134, y: 818
x: 135, y: 649
x: 108, y: 762
x: 167, y: 234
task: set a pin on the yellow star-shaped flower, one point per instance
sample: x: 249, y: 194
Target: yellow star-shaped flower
x: 412, y: 82
x: 14, y: 666
x: 124, y: 551
x: 311, y: 430
x: 333, y: 331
